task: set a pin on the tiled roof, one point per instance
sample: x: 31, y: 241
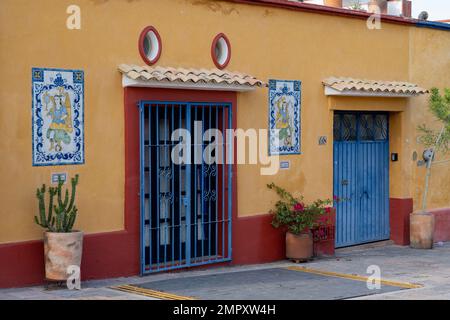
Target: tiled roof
x: 200, y: 76
x: 373, y: 86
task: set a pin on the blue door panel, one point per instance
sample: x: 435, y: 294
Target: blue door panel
x: 346, y: 187
x: 361, y: 177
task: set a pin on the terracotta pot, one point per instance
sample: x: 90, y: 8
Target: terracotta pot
x: 333, y: 3
x: 421, y: 231
x: 377, y: 6
x: 61, y: 250
x: 299, y: 246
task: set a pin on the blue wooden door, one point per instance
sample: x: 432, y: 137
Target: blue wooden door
x: 361, y: 177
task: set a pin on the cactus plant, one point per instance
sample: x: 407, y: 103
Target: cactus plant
x: 59, y: 217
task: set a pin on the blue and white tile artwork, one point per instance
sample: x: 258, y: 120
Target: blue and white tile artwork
x: 284, y: 117
x: 58, y: 116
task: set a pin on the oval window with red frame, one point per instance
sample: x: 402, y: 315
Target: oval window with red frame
x: 221, y: 51
x: 150, y: 45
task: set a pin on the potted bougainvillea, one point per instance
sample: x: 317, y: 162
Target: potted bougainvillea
x: 62, y: 245
x: 298, y: 219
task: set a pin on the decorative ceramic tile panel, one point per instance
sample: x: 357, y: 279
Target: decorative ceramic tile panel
x: 284, y: 116
x: 58, y: 116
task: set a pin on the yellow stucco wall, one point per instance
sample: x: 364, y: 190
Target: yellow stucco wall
x: 429, y: 66
x: 266, y: 42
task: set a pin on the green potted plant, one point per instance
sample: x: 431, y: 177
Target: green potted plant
x: 298, y: 219
x: 62, y: 245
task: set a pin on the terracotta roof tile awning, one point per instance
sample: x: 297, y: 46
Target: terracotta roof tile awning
x: 180, y: 78
x: 370, y: 88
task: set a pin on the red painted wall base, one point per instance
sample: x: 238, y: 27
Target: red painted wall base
x: 400, y: 209
x: 21, y: 264
x: 327, y: 247
x: 399, y: 220
x: 324, y: 248
x: 105, y: 255
x: 256, y: 241
x: 441, y: 224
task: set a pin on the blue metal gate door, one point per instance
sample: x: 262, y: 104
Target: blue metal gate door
x: 186, y: 205
x: 361, y: 177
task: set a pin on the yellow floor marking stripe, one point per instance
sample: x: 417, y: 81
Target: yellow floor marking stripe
x: 134, y: 292
x: 159, y: 293
x: 147, y: 293
x: 150, y: 293
x: 355, y: 277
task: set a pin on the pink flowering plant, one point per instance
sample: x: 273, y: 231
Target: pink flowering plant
x: 291, y: 212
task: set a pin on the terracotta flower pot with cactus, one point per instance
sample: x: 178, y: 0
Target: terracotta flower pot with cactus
x: 62, y: 245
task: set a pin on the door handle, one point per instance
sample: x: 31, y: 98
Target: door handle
x: 344, y: 182
x: 365, y: 193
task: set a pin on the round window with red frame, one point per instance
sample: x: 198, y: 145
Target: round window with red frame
x: 150, y: 45
x: 221, y: 51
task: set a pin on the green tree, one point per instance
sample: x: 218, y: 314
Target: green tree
x: 356, y: 5
x: 438, y: 141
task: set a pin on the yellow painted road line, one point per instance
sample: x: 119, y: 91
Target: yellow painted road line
x: 154, y: 293
x: 150, y: 293
x: 405, y: 285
